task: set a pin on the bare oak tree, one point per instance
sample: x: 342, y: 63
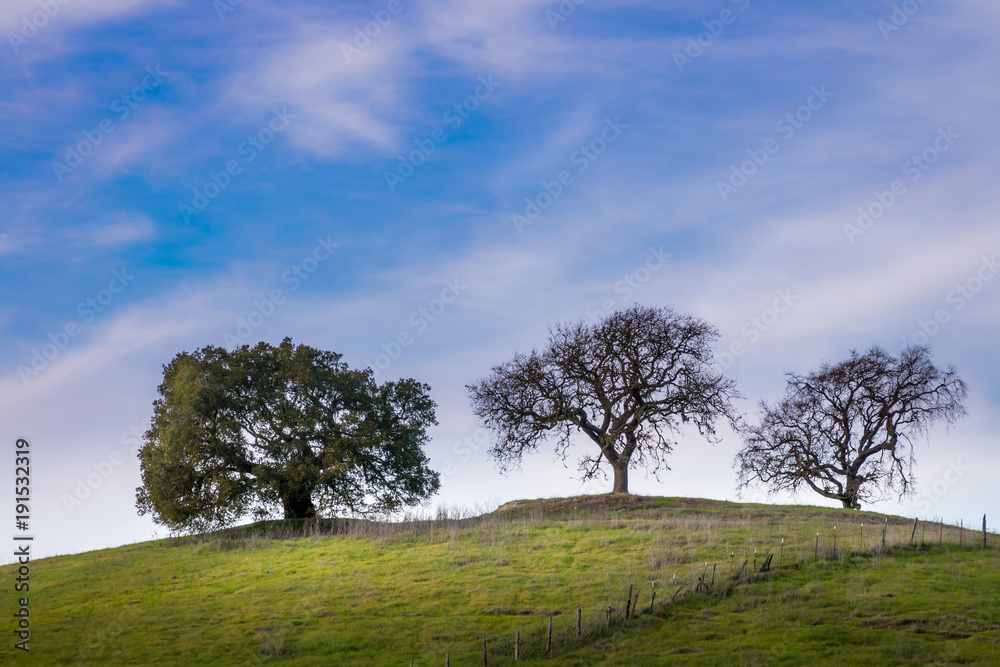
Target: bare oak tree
x: 844, y: 430
x: 628, y: 382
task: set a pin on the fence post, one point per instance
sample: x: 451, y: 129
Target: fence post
x: 961, y: 532
x: 517, y: 645
x: 447, y: 659
x: 485, y: 659
x: 862, y: 536
x: 579, y: 622
x: 914, y: 531
x: 817, y: 546
x: 984, y: 531
x: 548, y: 644
x: 628, y: 602
x: 609, y: 616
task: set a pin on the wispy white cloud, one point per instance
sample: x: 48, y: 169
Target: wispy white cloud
x: 120, y: 228
x: 140, y: 143
x: 116, y: 229
x: 14, y: 12
x: 338, y: 104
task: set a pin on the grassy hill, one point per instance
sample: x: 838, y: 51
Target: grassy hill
x: 362, y: 593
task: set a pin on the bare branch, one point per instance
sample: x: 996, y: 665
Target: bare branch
x: 628, y: 382
x: 845, y: 430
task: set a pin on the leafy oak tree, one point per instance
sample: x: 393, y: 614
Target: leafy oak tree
x: 628, y: 382
x: 286, y: 426
x: 845, y: 430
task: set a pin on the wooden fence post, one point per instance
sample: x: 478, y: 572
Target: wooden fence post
x: 817, y: 546
x: 914, y: 531
x: 984, y: 531
x: 548, y: 644
x: 485, y: 659
x: 628, y: 602
x: 579, y: 622
x: 609, y: 616
x: 862, y: 540
x: 517, y: 645
x: 961, y: 532
x: 447, y: 659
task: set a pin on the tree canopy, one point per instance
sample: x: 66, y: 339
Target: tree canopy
x: 844, y: 430
x: 287, y: 426
x: 629, y: 382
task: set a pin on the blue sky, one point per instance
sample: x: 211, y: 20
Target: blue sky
x: 176, y: 174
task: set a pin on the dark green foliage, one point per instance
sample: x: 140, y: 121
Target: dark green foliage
x: 290, y: 426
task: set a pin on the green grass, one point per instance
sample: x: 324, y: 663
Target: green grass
x: 376, y: 594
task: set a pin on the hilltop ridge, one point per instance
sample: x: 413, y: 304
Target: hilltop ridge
x: 354, y: 592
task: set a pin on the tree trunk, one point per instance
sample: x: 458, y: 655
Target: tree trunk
x: 621, y: 478
x: 850, y: 497
x: 299, y: 506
